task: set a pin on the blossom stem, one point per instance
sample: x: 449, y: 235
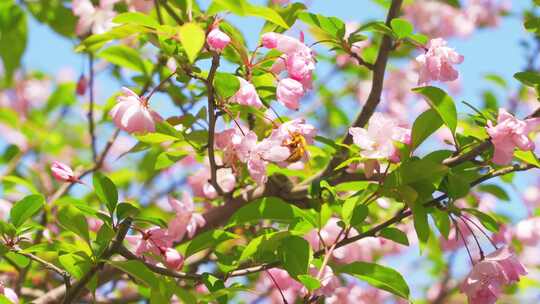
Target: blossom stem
x: 483, y: 232
x: 460, y: 234
x: 156, y: 88
x: 475, y: 238
x: 277, y: 286
x: 90, y: 114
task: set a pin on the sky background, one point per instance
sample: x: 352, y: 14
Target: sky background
x: 487, y: 51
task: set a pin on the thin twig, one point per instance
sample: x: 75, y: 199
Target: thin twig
x: 90, y: 114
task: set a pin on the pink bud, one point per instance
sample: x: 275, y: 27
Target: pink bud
x: 270, y: 40
x: 173, y: 259
x: 9, y: 294
x: 217, y: 40
x: 289, y: 92
x: 63, y: 172
x: 82, y: 84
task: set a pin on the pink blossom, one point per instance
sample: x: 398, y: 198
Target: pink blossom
x: 132, y: 114
x: 95, y: 20
x: 377, y: 141
x: 259, y: 154
x: 484, y: 283
x: 289, y: 92
x: 486, y: 12
x: 154, y: 240
x: 201, y: 186
x: 438, y: 19
x: 217, y: 40
x: 531, y: 196
x: 355, y: 294
x: 509, y: 133
x: 62, y: 172
x: 5, y: 208
x: 14, y: 137
x: 140, y: 5
x: 247, y: 95
x: 283, y: 43
x: 280, y: 2
x: 290, y: 288
x: 94, y: 224
x: 528, y: 231
x: 173, y: 259
x: 437, y: 63
x: 300, y: 64
x: 186, y: 221
x: 9, y: 294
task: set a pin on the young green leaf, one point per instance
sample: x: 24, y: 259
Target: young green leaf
x: 425, y: 125
x: 192, y: 37
x: 378, y: 276
x: 402, y: 27
x: 442, y: 103
x: 106, y: 191
x: 295, y: 255
x: 25, y: 209
x: 73, y: 220
x: 395, y: 235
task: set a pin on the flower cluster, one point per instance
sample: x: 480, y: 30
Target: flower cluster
x: 437, y: 63
x: 298, y: 61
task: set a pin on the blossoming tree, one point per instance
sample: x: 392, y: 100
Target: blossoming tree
x: 226, y: 169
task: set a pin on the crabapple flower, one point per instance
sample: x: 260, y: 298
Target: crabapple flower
x: 9, y: 294
x: 132, y: 114
x: 186, y: 220
x: 283, y: 43
x: 509, y: 133
x: 63, y: 173
x: 173, y: 259
x: 437, y: 63
x: 484, y: 283
x: 247, y: 95
x: 217, y: 40
x: 95, y: 20
x: 300, y: 64
x: 153, y: 240
x: 289, y: 92
x: 201, y: 186
x: 377, y: 141
x: 439, y: 19
x: 528, y: 231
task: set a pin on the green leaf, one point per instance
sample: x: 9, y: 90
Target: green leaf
x: 378, y: 276
x: 137, y: 270
x: 125, y: 57
x: 528, y: 157
x: 244, y: 8
x: 295, y: 255
x: 402, y: 27
x: 352, y: 213
x: 414, y: 171
x: 167, y: 159
x: 494, y: 190
x: 309, y: 282
x: 105, y: 191
x: 156, y: 138
x: 19, y: 181
x: 192, y: 37
x: 457, y: 186
x: 208, y: 239
x: 63, y: 95
x: 25, y: 209
x: 124, y: 210
x: 226, y: 84
x: 442, y: 221
x: 13, y: 36
x: 421, y: 224
x: 75, y: 264
x: 269, y: 208
x: 73, y: 220
x: 395, y: 235
x: 442, y: 103
x: 136, y: 18
x: 531, y: 79
x: 489, y: 222
x: 496, y: 79
x: 330, y: 25
x: 55, y: 14
x: 425, y: 125
x: 379, y: 27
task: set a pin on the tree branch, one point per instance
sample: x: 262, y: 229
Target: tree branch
x: 74, y: 292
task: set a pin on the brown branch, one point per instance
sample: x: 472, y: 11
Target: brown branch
x: 73, y: 293
x: 90, y: 114
x: 49, y: 266
x: 379, y: 68
x: 123, y: 251
x: 212, y: 122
